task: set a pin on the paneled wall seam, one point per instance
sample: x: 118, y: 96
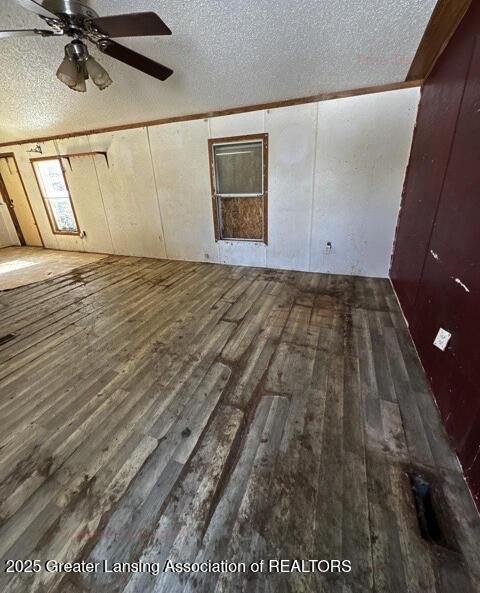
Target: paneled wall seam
x: 404, y: 189
x: 101, y: 197
x: 314, y: 171
x: 264, y: 123
x: 452, y: 141
x: 157, y: 193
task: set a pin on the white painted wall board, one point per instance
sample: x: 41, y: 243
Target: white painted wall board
x: 354, y: 161
x: 128, y: 188
x: 86, y: 196
x: 180, y: 160
x: 363, y: 145
x: 291, y: 138
x: 242, y: 253
x: 238, y: 124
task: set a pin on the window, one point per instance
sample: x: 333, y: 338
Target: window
x: 56, y: 197
x: 239, y: 176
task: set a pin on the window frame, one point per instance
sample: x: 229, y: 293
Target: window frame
x: 46, y: 199
x: 216, y: 198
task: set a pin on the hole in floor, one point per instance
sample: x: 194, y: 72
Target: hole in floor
x: 431, y: 512
x: 6, y: 338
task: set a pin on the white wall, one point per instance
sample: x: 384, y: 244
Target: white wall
x: 363, y: 145
x: 336, y: 171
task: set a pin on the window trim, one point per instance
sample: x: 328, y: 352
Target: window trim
x: 45, y: 199
x: 212, y: 142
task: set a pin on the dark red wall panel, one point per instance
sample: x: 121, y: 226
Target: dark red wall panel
x: 436, y: 262
x: 436, y: 121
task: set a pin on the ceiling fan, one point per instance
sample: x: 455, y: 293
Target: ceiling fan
x: 74, y: 19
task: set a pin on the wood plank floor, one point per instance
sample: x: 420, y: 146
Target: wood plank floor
x: 24, y: 265
x: 154, y: 410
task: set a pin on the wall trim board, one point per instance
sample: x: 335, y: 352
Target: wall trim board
x: 405, y: 84
x: 443, y: 23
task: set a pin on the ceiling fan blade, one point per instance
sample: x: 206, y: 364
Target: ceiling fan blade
x: 132, y: 58
x: 131, y: 25
x: 37, y: 8
x: 25, y: 33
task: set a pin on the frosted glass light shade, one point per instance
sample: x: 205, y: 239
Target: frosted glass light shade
x: 81, y: 86
x: 98, y: 74
x: 68, y: 73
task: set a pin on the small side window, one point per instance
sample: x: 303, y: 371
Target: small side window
x: 56, y: 197
x: 239, y: 175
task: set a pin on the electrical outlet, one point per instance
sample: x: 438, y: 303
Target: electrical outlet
x: 442, y: 339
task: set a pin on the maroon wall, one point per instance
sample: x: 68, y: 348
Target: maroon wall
x: 438, y: 239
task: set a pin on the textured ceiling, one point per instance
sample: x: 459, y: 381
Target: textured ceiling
x: 225, y: 53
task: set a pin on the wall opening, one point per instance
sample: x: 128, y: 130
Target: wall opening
x: 431, y: 512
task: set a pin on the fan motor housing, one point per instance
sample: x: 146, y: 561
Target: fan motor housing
x: 70, y: 8
x: 76, y: 50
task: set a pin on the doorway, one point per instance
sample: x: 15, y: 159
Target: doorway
x: 5, y: 199
x: 15, y: 197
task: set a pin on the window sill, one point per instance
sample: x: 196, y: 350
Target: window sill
x: 67, y: 233
x: 257, y: 241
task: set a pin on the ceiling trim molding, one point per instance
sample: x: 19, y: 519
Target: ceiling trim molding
x: 443, y: 23
x: 257, y: 107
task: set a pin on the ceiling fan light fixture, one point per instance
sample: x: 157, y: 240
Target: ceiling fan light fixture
x: 82, y: 24
x: 68, y: 72
x: 72, y: 69
x: 97, y: 73
x: 81, y: 86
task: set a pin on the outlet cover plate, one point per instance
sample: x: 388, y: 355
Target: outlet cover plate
x: 442, y: 339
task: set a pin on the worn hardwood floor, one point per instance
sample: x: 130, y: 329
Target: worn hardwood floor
x: 24, y: 265
x: 158, y: 409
